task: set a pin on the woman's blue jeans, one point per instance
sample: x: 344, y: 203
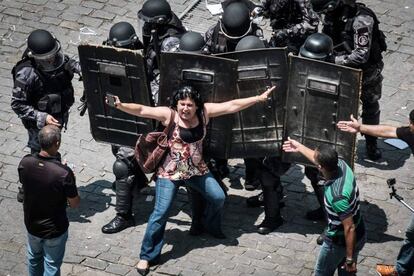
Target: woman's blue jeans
x: 165, y: 192
x: 405, y: 260
x: 332, y: 257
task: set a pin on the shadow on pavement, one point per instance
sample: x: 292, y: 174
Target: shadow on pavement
x: 392, y: 158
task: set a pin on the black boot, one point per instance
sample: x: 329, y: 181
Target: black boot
x: 269, y: 225
x: 255, y: 201
x: 373, y: 153
x: 198, y: 206
x: 118, y: 224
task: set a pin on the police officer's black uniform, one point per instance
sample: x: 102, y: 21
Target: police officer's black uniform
x: 43, y: 85
x: 358, y: 43
x: 127, y: 172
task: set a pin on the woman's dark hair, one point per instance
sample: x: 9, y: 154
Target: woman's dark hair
x: 327, y: 157
x: 187, y: 92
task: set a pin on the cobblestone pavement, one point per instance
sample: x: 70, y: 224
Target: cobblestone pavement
x: 291, y: 250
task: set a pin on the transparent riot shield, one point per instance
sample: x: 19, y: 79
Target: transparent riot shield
x: 215, y: 78
x: 319, y: 95
x: 120, y: 72
x: 257, y: 131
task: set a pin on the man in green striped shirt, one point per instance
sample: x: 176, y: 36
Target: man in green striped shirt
x: 345, y: 234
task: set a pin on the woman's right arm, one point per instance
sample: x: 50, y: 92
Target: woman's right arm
x: 159, y: 113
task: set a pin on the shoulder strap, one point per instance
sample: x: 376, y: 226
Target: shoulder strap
x: 167, y: 129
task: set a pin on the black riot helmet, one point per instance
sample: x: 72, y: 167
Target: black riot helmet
x: 45, y: 50
x: 317, y: 46
x: 192, y: 42
x: 123, y: 35
x: 325, y: 6
x: 235, y: 22
x: 155, y: 11
x: 250, y: 42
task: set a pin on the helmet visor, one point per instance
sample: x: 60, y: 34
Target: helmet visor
x: 222, y: 29
x: 50, y: 61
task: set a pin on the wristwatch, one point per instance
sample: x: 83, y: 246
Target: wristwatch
x: 349, y: 261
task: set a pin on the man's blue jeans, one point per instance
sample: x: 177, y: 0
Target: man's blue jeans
x: 165, y: 191
x: 332, y: 257
x: 405, y: 260
x: 45, y: 256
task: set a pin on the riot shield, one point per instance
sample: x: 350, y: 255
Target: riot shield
x: 257, y: 131
x: 215, y: 78
x: 120, y: 72
x: 319, y: 95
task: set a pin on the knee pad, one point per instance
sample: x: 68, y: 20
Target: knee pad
x: 120, y: 169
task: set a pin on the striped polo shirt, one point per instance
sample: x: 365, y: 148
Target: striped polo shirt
x: 342, y: 201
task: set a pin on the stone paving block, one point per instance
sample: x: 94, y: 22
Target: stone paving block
x: 118, y: 269
x: 95, y: 263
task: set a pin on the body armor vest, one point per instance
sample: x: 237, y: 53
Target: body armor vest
x: 343, y: 32
x: 174, y: 28
x: 54, y: 94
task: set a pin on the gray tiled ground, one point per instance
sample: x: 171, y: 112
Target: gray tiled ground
x: 289, y: 251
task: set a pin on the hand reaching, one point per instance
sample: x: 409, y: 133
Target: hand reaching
x: 50, y: 120
x: 352, y: 126
x: 263, y: 97
x: 291, y: 145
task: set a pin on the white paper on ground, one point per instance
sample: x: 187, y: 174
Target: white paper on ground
x: 214, y: 9
x: 399, y: 144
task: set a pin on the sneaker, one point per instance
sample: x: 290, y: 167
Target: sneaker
x: 386, y: 270
x: 317, y: 214
x: 373, y: 153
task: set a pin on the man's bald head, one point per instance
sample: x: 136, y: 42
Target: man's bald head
x: 49, y: 136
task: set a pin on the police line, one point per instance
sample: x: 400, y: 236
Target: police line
x: 311, y: 96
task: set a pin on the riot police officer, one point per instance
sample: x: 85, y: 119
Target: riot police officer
x: 234, y: 24
x: 161, y: 31
x: 266, y: 170
x: 358, y: 43
x: 317, y: 46
x: 159, y: 23
x: 43, y: 93
x: 127, y: 172
x: 291, y: 21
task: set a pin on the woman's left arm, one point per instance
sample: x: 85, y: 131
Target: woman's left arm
x: 229, y: 107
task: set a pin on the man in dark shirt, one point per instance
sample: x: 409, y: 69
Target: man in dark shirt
x: 49, y: 186
x: 405, y: 260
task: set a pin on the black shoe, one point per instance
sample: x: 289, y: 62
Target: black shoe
x: 255, y: 201
x: 251, y: 185
x: 373, y: 153
x: 268, y: 225
x: 196, y: 229
x: 20, y: 195
x: 317, y: 214
x: 219, y: 235
x: 117, y: 224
